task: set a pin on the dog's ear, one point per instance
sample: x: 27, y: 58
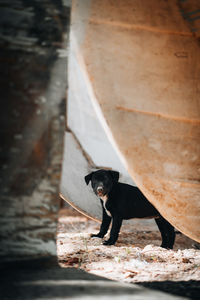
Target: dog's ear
x: 115, y: 175
x: 88, y: 178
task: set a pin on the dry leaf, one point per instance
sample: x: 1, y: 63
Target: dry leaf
x: 131, y: 274
x: 186, y: 260
x: 70, y: 261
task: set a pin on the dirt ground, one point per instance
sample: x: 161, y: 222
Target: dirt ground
x: 135, y: 258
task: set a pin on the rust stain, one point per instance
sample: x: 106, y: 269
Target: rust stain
x: 182, y: 54
x: 160, y: 115
x: 185, y: 183
x: 138, y: 27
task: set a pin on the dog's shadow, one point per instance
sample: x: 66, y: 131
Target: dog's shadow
x: 142, y: 238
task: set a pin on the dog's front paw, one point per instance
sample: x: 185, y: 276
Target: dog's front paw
x: 108, y: 243
x: 98, y: 235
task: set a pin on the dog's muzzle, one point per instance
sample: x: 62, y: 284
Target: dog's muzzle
x: 100, y: 191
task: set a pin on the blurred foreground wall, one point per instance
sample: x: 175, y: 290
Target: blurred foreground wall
x: 33, y: 66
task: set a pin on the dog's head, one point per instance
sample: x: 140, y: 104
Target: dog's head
x: 102, y: 181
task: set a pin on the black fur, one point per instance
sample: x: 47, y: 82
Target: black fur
x: 124, y: 202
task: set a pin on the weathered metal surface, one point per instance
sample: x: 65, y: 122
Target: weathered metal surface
x: 141, y: 65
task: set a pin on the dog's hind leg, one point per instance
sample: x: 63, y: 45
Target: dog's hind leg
x: 167, y: 232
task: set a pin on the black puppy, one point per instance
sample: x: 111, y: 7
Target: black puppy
x: 120, y: 202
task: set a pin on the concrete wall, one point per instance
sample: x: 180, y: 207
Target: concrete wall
x: 34, y: 38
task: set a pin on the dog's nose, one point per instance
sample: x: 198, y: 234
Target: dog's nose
x: 100, y: 189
